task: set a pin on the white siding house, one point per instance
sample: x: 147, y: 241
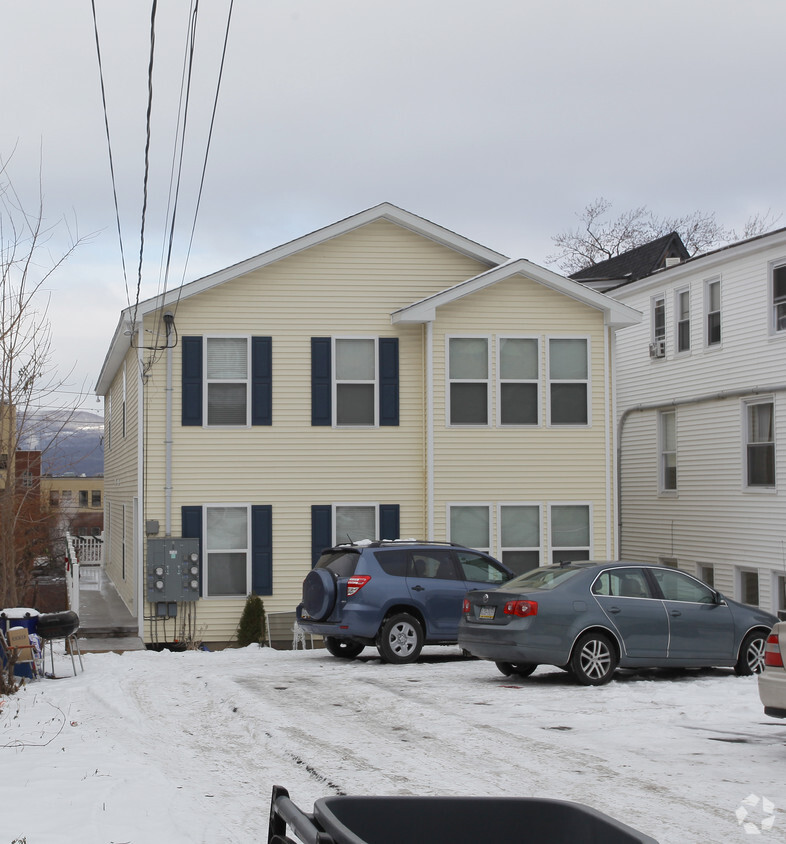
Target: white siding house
x: 701, y: 393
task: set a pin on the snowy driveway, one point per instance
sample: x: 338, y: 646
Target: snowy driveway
x: 148, y: 747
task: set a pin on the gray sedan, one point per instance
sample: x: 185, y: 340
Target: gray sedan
x: 589, y: 618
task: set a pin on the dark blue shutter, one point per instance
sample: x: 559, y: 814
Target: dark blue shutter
x: 321, y: 530
x: 262, y: 549
x: 321, y: 386
x: 191, y: 528
x: 388, y: 381
x: 261, y: 381
x: 389, y: 521
x: 191, y: 398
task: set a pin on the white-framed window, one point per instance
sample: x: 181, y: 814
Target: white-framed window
x: 570, y: 533
x: 682, y: 319
x: 468, y: 381
x: 355, y: 522
x: 227, y: 368
x: 759, y: 428
x: 658, y: 326
x: 108, y: 420
x: 470, y: 525
x: 518, y: 366
x: 667, y: 439
x: 778, y: 297
x: 123, y: 419
x: 712, y: 312
x: 706, y: 573
x: 227, y: 543
x: 355, y: 381
x: 568, y: 368
x: 779, y: 602
x: 749, y: 586
x: 519, y: 536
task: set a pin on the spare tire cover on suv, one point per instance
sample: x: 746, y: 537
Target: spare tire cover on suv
x: 319, y: 593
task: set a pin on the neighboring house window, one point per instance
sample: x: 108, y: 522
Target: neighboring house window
x: 760, y: 444
x: 668, y: 450
x: 226, y: 556
x: 27, y: 479
x: 749, y: 587
x: 95, y: 498
x: 67, y: 495
x: 3, y: 462
x: 124, y: 401
x: 669, y: 562
x: 568, y: 382
x: 355, y: 382
x: 683, y: 320
x: 778, y: 288
x: 780, y: 593
x: 108, y: 421
x: 659, y: 319
x: 335, y: 524
x: 519, y: 531
x: 468, y: 374
x: 518, y: 360
x: 712, y: 307
x: 83, y: 498
x: 54, y: 497
x: 570, y: 532
x: 227, y: 381
x: 707, y: 574
x: 470, y: 525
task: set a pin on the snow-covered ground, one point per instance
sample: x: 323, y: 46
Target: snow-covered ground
x: 181, y: 748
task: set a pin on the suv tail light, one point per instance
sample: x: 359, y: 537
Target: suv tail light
x: 356, y: 583
x: 521, y: 608
x: 772, y: 652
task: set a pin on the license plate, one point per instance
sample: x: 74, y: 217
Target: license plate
x: 487, y: 612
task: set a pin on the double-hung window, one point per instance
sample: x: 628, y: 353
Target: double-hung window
x: 778, y: 294
x: 667, y: 434
x: 568, y: 381
x: 355, y: 522
x: 470, y: 525
x: 227, y: 368
x: 659, y: 319
x: 518, y: 362
x: 519, y: 536
x: 570, y: 532
x: 760, y: 444
x: 683, y: 319
x: 712, y: 310
x: 226, y: 560
x: 468, y: 376
x: 355, y: 381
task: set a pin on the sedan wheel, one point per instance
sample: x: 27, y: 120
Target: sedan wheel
x: 751, y: 659
x: 400, y: 639
x: 594, y: 660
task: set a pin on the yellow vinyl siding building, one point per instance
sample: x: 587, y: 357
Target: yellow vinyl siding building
x: 292, y: 400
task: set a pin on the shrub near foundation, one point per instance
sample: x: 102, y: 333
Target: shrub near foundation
x: 251, y: 627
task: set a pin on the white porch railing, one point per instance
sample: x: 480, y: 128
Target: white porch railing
x: 81, y: 550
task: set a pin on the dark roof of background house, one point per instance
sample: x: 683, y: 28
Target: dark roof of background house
x: 636, y: 263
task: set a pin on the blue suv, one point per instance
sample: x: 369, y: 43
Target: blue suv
x: 398, y: 595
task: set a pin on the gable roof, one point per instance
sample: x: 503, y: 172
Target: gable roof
x: 633, y: 264
x: 614, y: 316
x: 121, y: 339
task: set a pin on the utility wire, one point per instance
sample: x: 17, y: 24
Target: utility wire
x: 109, y: 147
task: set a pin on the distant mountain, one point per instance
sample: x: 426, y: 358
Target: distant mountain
x: 70, y: 441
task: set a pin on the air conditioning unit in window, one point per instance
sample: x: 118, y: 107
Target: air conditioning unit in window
x: 658, y: 349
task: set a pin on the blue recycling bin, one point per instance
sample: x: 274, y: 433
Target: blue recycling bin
x: 20, y: 617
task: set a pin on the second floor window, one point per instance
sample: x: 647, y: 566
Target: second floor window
x: 356, y: 382
x: 226, y: 368
x: 659, y: 319
x: 683, y: 320
x: 712, y: 294
x: 518, y: 381
x: 83, y: 498
x: 568, y: 382
x: 779, y: 298
x: 468, y: 373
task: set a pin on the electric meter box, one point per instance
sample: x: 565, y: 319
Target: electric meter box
x: 173, y: 570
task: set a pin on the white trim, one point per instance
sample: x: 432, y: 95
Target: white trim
x: 488, y: 380
x: 429, y: 431
x: 654, y: 336
x: 550, y: 549
x: 139, y: 549
x: 239, y: 505
x: 738, y: 590
x: 500, y: 548
x: 588, y: 339
x: 608, y: 439
x: 537, y: 381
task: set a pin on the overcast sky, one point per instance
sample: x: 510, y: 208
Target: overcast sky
x: 498, y: 119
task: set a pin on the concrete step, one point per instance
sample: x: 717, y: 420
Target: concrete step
x: 110, y: 644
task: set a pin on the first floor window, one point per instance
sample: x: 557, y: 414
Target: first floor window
x: 780, y: 593
x: 668, y: 451
x: 749, y: 587
x: 470, y: 525
x: 568, y: 381
x: 226, y: 368
x: 707, y: 574
x: 518, y: 381
x: 519, y: 528
x: 760, y: 444
x: 570, y: 532
x: 354, y: 522
x: 468, y: 375
x: 227, y: 550
x: 356, y: 382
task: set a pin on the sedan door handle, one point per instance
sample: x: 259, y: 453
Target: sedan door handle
x: 615, y: 610
x: 418, y: 588
x: 675, y: 612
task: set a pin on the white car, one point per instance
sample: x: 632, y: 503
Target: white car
x: 772, y: 680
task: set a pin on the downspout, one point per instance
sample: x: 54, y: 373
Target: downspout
x: 139, y: 538
x: 169, y: 320
x: 429, y: 431
x: 709, y: 397
x: 607, y: 437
